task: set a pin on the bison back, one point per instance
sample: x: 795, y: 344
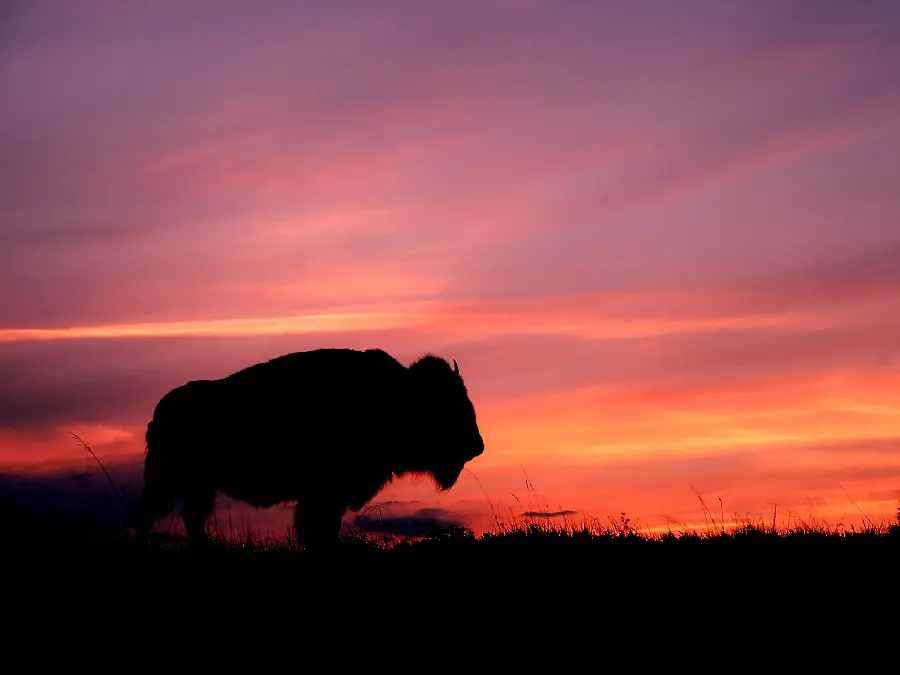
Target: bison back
x: 284, y: 425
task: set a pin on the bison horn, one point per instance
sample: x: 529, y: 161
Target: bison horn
x: 455, y: 367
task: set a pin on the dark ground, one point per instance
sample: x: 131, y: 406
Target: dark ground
x: 529, y: 598
x: 553, y: 568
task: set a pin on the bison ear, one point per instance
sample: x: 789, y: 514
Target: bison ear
x: 455, y: 367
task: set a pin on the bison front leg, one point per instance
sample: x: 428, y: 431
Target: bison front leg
x: 197, y: 508
x: 317, y: 524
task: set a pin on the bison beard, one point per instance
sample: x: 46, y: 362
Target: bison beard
x: 327, y: 428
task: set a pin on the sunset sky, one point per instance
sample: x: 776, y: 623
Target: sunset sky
x: 662, y: 240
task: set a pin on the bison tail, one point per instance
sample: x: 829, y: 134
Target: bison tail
x: 156, y: 450
x: 149, y: 438
x: 155, y: 439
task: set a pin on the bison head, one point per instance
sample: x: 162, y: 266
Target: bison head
x: 446, y: 428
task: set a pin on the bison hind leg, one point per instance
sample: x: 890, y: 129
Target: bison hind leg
x: 156, y: 502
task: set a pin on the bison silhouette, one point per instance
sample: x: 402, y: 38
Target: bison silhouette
x: 327, y: 428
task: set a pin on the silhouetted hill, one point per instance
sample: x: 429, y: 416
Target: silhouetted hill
x: 567, y: 564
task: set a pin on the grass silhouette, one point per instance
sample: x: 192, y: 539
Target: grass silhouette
x: 530, y: 537
x: 605, y: 575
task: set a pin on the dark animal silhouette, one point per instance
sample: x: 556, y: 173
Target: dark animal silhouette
x: 327, y: 428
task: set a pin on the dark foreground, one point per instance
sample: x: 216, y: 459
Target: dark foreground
x: 519, y: 597
x: 562, y: 568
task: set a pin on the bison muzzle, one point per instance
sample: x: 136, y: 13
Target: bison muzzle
x: 327, y: 428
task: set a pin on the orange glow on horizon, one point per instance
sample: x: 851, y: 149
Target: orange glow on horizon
x: 609, y: 423
x: 606, y: 449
